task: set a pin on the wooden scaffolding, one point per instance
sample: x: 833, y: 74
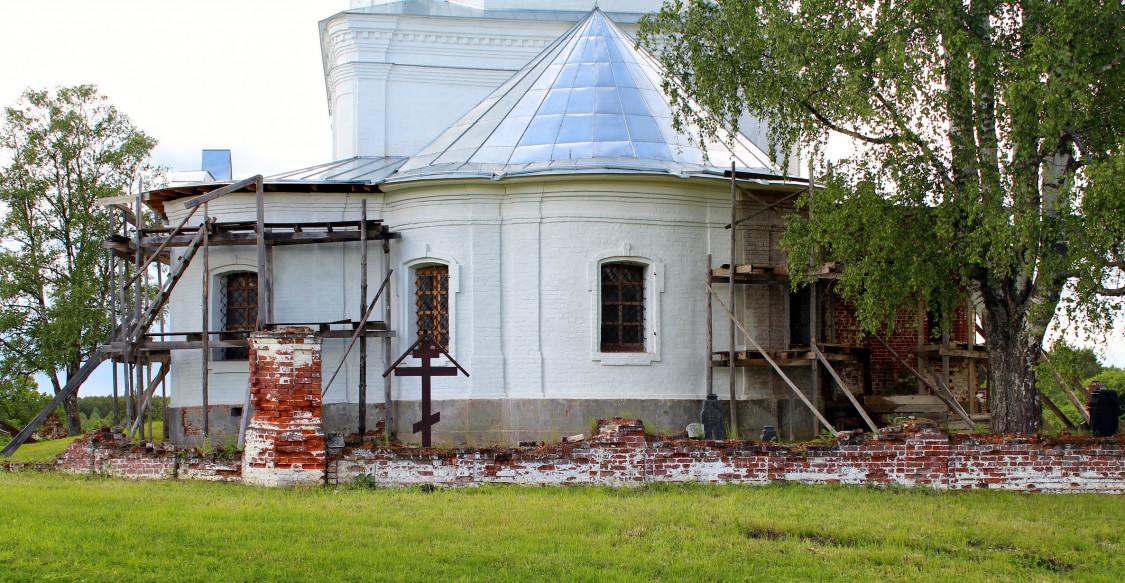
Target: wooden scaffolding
x: 148, y: 261
x: 806, y: 341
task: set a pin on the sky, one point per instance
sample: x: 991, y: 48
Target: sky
x: 239, y: 74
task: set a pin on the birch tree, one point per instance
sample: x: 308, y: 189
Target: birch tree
x: 990, y: 161
x: 64, y: 150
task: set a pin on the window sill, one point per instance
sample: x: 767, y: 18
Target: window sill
x: 625, y: 358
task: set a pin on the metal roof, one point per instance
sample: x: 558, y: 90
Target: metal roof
x: 591, y: 99
x: 362, y: 169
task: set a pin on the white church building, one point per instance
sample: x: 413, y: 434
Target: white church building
x: 542, y: 217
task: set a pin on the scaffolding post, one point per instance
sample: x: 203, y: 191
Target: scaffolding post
x: 113, y: 314
x: 363, y: 306
x: 710, y: 372
x: 814, y: 297
x: 138, y: 295
x: 260, y: 236
x: 206, y: 317
x: 731, y: 298
x: 388, y: 354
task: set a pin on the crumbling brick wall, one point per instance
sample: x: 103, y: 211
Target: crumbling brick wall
x: 621, y: 454
x: 285, y: 443
x: 102, y: 453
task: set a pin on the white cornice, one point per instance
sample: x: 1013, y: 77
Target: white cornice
x: 449, y: 75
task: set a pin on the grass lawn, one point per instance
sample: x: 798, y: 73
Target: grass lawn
x: 40, y: 452
x: 46, y: 451
x: 78, y: 528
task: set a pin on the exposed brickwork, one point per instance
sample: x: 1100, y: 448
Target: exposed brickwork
x: 621, y: 455
x: 101, y: 453
x: 285, y: 443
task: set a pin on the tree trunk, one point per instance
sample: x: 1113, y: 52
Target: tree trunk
x: 1013, y: 351
x: 73, y: 421
x: 70, y: 405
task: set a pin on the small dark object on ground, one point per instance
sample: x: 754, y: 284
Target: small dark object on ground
x: 1105, y: 408
x: 712, y: 417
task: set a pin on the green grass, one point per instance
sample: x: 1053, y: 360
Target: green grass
x: 45, y: 451
x: 75, y: 528
x: 42, y: 452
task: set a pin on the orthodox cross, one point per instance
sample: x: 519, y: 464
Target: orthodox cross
x: 425, y: 349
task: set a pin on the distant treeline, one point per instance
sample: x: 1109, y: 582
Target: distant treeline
x: 98, y: 411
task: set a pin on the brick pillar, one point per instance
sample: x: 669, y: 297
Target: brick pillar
x: 285, y: 443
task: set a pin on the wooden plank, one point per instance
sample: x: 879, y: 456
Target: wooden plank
x: 388, y: 351
x: 730, y: 296
x: 936, y: 350
x: 709, y: 374
x: 160, y: 248
x: 72, y: 385
x: 260, y: 241
x: 206, y: 360
x: 948, y: 396
x: 142, y: 324
x: 1055, y: 409
x: 1078, y: 388
x: 228, y: 239
x: 777, y: 368
x: 844, y: 387
x: 234, y: 187
x: 247, y: 407
x: 146, y: 397
x: 362, y: 305
x: 166, y: 345
x: 355, y: 334
x: 926, y: 382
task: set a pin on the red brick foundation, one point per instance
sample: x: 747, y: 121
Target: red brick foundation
x: 622, y: 455
x: 101, y: 453
x: 285, y: 442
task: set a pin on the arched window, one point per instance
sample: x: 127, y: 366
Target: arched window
x: 239, y: 310
x: 622, y: 307
x: 431, y: 301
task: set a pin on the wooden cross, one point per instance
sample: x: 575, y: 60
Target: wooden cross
x: 425, y: 349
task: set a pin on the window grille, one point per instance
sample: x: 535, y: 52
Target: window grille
x: 431, y: 299
x: 623, y: 307
x: 239, y: 310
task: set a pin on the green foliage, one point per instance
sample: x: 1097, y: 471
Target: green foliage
x: 103, y: 406
x: 67, y: 149
x: 1074, y: 365
x: 20, y: 400
x: 664, y: 533
x: 991, y: 160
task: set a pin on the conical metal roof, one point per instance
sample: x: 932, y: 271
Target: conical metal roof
x: 590, y: 100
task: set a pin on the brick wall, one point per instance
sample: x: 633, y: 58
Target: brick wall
x: 101, y: 453
x: 621, y: 454
x: 285, y: 442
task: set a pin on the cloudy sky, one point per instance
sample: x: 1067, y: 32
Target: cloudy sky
x: 239, y: 74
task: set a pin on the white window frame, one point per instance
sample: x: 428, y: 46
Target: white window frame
x: 215, y: 280
x: 654, y: 289
x: 407, y: 300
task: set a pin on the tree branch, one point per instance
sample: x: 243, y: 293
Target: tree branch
x: 878, y: 140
